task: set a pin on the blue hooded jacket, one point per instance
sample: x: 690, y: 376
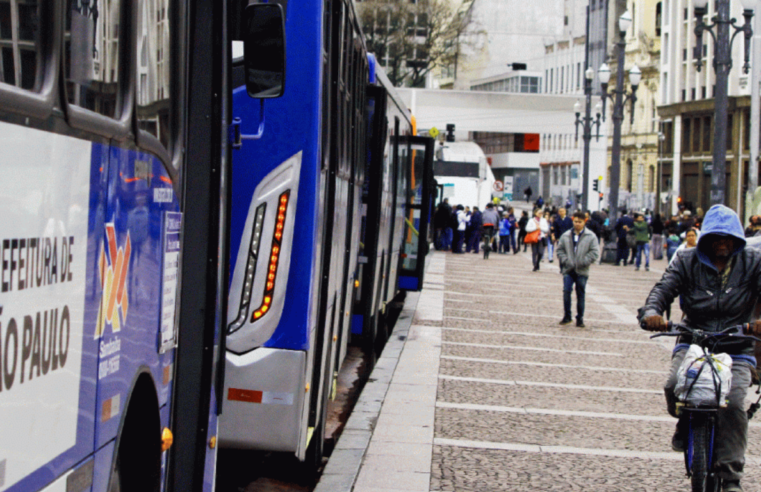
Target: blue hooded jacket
x: 710, y: 301
x: 723, y: 221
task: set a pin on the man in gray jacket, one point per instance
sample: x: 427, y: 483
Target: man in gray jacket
x: 577, y: 249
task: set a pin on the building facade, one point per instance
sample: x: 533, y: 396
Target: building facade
x: 686, y: 111
x: 638, y: 185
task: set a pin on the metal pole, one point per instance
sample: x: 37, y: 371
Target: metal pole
x: 755, y: 115
x: 587, y: 123
x: 618, y: 117
x: 722, y: 64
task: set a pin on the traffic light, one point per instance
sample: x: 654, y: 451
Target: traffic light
x: 595, y: 184
x: 601, y: 196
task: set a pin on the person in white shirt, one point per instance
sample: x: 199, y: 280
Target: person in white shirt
x: 462, y: 223
x: 537, y: 248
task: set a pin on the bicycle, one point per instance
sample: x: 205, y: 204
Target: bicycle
x: 698, y: 453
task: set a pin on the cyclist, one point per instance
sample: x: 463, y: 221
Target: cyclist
x: 490, y: 221
x: 719, y: 282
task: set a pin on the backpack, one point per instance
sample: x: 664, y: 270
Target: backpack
x: 631, y: 238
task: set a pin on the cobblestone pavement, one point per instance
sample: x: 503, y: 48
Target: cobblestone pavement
x: 525, y: 404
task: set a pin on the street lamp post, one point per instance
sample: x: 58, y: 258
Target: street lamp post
x: 722, y: 64
x: 587, y: 122
x: 620, y: 98
x: 659, y: 173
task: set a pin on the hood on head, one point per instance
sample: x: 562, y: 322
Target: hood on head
x: 722, y: 221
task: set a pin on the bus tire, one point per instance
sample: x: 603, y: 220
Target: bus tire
x: 137, y: 465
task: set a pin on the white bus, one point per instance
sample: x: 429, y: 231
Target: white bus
x: 461, y: 170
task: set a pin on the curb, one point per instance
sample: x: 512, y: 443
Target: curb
x: 343, y: 465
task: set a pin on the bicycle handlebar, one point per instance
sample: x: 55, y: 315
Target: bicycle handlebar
x: 736, y: 331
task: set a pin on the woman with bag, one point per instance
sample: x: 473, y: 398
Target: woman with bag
x: 536, y: 230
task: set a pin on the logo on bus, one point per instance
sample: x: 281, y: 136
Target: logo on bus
x: 113, y: 265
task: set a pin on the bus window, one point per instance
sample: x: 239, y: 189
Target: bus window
x: 92, y: 63
x: 154, y: 68
x: 20, y: 43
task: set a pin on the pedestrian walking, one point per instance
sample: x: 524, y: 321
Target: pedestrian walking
x: 623, y: 224
x: 657, y: 227
x: 474, y: 228
x: 560, y: 225
x: 504, y: 234
x: 536, y: 230
x: 690, y: 241
x: 513, y: 229
x: 577, y: 250
x: 528, y: 192
x: 462, y: 224
x: 522, y: 222
x: 441, y: 221
x: 549, y: 241
x: 672, y: 244
x: 642, y: 232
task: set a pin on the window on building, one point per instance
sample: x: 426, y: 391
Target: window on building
x: 651, y: 181
x: 686, y: 135
x: 668, y: 138
x: 155, y: 75
x: 707, y: 136
x: 555, y: 175
x: 20, y: 47
x: 552, y: 85
x: 629, y: 175
x: 562, y: 79
x: 92, y: 64
x: 578, y: 76
x: 697, y: 134
x: 658, y: 20
x: 746, y: 129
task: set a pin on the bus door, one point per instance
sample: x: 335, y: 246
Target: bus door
x: 418, y: 213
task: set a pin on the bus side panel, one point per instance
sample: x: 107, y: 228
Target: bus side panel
x: 291, y: 138
x: 131, y: 263
x: 52, y: 201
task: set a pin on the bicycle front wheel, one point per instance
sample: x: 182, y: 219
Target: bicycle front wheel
x: 702, y: 478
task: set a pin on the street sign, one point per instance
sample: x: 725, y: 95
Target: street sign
x: 433, y: 132
x: 498, y: 185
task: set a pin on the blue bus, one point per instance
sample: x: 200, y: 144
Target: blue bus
x: 114, y: 124
x: 327, y: 207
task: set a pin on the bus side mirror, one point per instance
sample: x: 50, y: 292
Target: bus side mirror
x: 264, y: 50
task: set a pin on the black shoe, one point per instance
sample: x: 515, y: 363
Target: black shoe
x: 565, y: 321
x: 536, y: 269
x: 580, y: 323
x: 732, y: 486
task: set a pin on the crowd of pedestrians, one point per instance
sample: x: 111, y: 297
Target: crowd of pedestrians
x: 462, y: 229
x: 640, y: 234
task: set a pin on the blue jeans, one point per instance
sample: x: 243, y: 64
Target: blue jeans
x: 646, y: 248
x: 446, y: 239
x: 473, y: 241
x: 581, y: 286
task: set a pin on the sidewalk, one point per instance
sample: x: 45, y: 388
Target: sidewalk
x: 480, y: 390
x: 387, y: 444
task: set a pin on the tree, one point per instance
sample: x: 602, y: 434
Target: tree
x: 412, y: 39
